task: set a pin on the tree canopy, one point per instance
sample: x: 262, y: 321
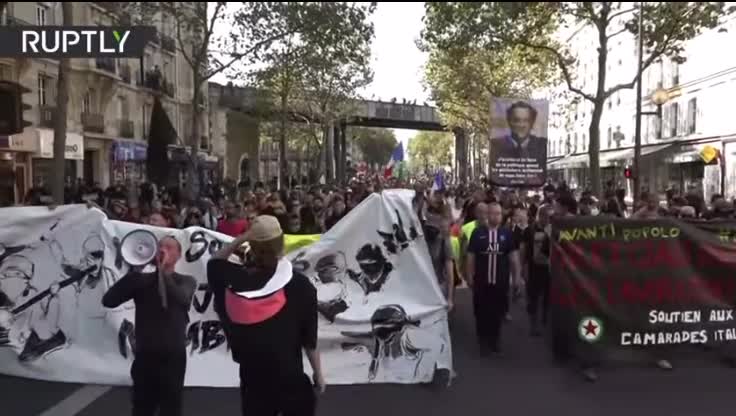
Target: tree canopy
x: 376, y: 144
x: 533, y: 29
x: 430, y: 150
x: 314, y: 70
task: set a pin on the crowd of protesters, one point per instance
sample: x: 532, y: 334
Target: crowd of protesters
x: 444, y: 213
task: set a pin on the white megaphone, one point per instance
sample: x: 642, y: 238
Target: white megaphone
x: 139, y: 248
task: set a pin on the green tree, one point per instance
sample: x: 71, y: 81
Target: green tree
x: 376, y: 144
x: 253, y: 29
x: 430, y: 150
x: 533, y: 27
x: 463, y: 79
x: 322, y: 61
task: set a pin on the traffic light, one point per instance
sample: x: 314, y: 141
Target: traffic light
x: 628, y: 172
x: 12, y: 108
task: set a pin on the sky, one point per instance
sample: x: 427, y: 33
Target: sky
x: 396, y: 62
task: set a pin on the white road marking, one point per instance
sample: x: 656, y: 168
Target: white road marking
x: 77, y: 401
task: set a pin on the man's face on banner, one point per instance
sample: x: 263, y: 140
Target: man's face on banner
x: 521, y: 122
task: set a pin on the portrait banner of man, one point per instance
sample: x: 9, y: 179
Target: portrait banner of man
x: 518, y: 144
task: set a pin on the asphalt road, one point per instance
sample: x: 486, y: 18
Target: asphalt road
x: 526, y: 381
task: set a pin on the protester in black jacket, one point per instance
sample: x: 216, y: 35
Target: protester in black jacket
x: 162, y: 301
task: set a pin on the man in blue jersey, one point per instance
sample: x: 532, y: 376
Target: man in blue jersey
x: 493, y: 264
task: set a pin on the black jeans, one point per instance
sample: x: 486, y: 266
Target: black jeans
x: 158, y: 381
x: 299, y: 400
x: 490, y: 303
x: 538, y: 292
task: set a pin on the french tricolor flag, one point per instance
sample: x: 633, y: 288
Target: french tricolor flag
x: 397, y: 157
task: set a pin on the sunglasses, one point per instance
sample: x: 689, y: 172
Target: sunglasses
x: 97, y: 254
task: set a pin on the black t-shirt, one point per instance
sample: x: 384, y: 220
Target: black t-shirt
x: 537, y: 245
x: 268, y: 349
x: 492, y: 249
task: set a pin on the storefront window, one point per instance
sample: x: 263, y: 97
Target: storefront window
x: 43, y: 171
x: 684, y: 175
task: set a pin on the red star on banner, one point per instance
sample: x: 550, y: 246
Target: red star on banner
x: 590, y: 328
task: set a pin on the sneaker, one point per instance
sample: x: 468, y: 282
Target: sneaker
x: 664, y: 365
x: 36, y: 348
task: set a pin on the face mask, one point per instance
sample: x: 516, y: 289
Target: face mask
x: 594, y: 212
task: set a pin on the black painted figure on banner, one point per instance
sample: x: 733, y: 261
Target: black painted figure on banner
x: 269, y: 313
x: 389, y: 344
x: 88, y: 273
x: 162, y: 301
x: 374, y: 269
x: 7, y: 251
x: 492, y: 260
x: 397, y: 239
x: 16, y: 287
x: 35, y: 315
x: 330, y: 284
x: 39, y: 334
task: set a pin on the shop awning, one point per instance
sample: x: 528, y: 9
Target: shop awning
x: 608, y: 158
x: 691, y: 153
x: 569, y: 162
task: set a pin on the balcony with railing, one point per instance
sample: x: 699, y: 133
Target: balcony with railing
x: 125, y: 73
x: 168, y: 43
x: 126, y: 128
x: 47, y: 116
x: 94, y: 123
x: 106, y: 64
x: 14, y: 21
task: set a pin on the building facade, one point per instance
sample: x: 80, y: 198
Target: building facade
x: 109, y: 108
x: 695, y: 116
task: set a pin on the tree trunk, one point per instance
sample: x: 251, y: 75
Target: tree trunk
x: 594, y: 132
x: 62, y: 108
x: 283, y: 163
x: 594, y: 146
x: 193, y: 173
x: 330, y: 153
x: 336, y: 152
x: 343, y: 153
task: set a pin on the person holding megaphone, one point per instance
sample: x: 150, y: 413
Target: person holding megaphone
x: 162, y: 299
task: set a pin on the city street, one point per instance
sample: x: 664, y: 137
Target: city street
x: 525, y: 382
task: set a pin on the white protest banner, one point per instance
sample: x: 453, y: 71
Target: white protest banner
x: 382, y: 316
